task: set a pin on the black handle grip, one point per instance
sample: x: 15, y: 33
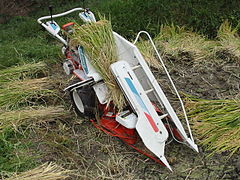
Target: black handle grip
x: 51, y: 12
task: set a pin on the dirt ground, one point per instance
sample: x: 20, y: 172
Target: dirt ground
x: 76, y: 144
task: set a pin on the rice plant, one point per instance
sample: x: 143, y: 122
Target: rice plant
x: 173, y: 40
x: 98, y: 41
x: 229, y: 40
x: 217, y: 122
x: 149, y: 54
x: 21, y: 72
x: 32, y: 115
x: 16, y: 93
x: 46, y: 171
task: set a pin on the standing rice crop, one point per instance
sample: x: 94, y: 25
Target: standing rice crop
x: 229, y: 40
x: 217, y: 122
x: 98, y: 41
x: 174, y: 40
x: 149, y: 54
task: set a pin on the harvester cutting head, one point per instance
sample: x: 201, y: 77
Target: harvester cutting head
x: 148, y: 114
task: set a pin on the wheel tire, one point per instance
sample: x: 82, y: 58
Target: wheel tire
x: 84, y: 101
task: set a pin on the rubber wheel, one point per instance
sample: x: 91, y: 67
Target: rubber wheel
x: 84, y: 100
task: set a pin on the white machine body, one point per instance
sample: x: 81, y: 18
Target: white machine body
x: 87, y: 16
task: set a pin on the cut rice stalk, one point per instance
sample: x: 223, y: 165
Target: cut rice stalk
x: 24, y: 71
x: 217, y: 122
x: 98, y: 41
x: 47, y: 171
x: 15, y: 93
x: 33, y: 115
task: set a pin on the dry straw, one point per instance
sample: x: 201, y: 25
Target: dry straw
x: 31, y: 115
x: 98, y: 41
x: 30, y: 70
x: 47, y: 171
x: 217, y: 122
x: 15, y: 93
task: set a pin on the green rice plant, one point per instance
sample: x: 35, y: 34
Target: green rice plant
x: 32, y: 115
x: 229, y: 40
x: 20, y: 72
x: 98, y: 41
x: 173, y: 40
x: 149, y: 54
x: 16, y: 93
x: 217, y: 122
x: 46, y: 171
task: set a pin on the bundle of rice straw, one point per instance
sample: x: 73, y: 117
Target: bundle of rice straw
x: 99, y: 44
x: 217, y: 122
x: 16, y: 93
x: 20, y: 72
x: 32, y: 115
x: 47, y: 171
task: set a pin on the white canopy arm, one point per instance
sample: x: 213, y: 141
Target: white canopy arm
x: 58, y: 15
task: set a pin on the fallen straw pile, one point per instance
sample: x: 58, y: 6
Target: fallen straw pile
x: 30, y: 70
x: 98, y: 41
x: 15, y: 93
x: 217, y: 122
x: 47, y: 171
x: 31, y: 115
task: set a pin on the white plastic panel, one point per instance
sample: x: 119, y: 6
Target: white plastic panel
x: 130, y: 53
x: 149, y: 126
x: 101, y: 91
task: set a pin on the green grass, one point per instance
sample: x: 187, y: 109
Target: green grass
x: 14, y: 155
x: 21, y: 41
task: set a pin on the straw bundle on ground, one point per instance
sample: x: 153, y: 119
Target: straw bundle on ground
x: 98, y: 41
x: 22, y: 72
x: 217, y: 122
x: 47, y: 171
x: 15, y: 93
x: 31, y: 115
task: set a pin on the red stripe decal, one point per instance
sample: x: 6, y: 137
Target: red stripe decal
x: 78, y: 76
x: 155, y: 128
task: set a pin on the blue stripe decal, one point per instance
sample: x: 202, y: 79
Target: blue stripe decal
x: 53, y: 26
x: 140, y: 101
x: 136, y: 94
x: 83, y: 59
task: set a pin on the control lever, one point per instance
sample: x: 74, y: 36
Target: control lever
x: 51, y: 12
